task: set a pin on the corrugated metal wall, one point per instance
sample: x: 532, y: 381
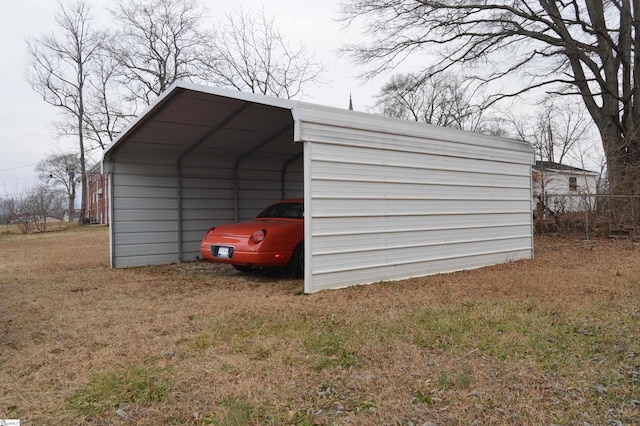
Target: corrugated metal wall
x: 388, y: 203
x: 144, y: 229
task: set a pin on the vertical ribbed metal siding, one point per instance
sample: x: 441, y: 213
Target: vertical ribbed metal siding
x: 387, y: 206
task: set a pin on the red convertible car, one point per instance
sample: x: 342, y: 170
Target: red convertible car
x: 273, y: 239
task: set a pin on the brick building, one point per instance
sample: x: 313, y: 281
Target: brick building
x: 97, y: 197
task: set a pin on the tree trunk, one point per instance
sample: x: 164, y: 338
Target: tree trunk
x: 623, y: 162
x: 83, y: 177
x: 70, y: 206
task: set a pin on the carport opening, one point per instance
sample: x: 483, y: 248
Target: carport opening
x: 195, y: 159
x: 265, y: 167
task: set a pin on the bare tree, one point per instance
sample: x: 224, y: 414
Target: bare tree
x: 107, y: 109
x: 158, y: 42
x: 570, y: 128
x: 555, y: 131
x: 62, y: 170
x: 43, y: 202
x: 249, y: 53
x: 31, y: 208
x: 59, y: 68
x: 20, y: 214
x: 8, y: 210
x: 582, y: 48
x: 99, y: 80
x: 442, y: 99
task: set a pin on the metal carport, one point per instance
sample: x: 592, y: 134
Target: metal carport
x: 384, y: 198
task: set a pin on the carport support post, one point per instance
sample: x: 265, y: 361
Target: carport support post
x: 308, y: 217
x: 236, y: 192
x: 179, y: 212
x: 112, y: 222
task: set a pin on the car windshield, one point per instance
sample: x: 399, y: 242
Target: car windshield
x: 283, y: 210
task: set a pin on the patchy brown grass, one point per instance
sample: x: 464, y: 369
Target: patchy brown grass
x: 553, y: 340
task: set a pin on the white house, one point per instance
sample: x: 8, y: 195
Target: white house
x: 385, y: 199
x: 566, y: 188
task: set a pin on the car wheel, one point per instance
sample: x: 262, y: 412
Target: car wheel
x: 296, y: 265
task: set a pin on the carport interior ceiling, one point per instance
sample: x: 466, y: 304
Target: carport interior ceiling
x: 195, y: 159
x: 189, y: 123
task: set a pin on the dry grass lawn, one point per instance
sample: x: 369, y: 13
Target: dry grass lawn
x: 554, y: 340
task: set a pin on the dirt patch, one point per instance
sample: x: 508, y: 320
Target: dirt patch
x: 542, y: 341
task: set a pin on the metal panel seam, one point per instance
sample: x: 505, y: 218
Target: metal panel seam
x: 447, y: 213
x: 401, y: 230
x: 414, y: 151
x: 419, y: 183
x: 412, y: 262
x: 409, y: 246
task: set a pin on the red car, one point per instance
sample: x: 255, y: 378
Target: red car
x: 273, y: 239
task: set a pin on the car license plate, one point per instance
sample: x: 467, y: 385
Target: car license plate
x: 224, y: 252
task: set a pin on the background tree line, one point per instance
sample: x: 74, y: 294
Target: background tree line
x: 100, y: 78
x: 476, y: 61
x: 583, y: 52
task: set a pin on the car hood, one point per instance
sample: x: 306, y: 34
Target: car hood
x: 246, y: 229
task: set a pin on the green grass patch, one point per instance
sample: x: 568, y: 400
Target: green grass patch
x: 422, y: 398
x: 331, y: 345
x: 110, y: 390
x: 513, y: 332
x: 587, y: 350
x: 333, y: 350
x: 232, y: 411
x: 203, y: 341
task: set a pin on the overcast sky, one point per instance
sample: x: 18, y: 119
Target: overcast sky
x: 25, y: 119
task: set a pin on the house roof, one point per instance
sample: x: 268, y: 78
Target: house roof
x: 562, y: 168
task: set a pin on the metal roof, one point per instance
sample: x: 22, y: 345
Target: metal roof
x: 188, y: 116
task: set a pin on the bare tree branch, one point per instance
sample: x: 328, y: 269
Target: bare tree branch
x: 588, y: 47
x: 443, y: 99
x: 248, y: 52
x: 60, y: 66
x: 158, y: 42
x: 62, y: 170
